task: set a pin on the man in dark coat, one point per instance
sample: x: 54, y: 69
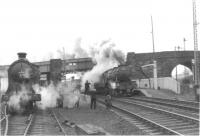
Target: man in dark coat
x: 87, y: 86
x: 93, y: 101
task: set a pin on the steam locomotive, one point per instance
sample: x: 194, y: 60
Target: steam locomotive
x: 20, y: 96
x: 117, y: 82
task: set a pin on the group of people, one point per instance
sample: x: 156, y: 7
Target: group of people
x: 108, y: 102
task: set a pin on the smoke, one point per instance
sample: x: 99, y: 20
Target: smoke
x: 49, y: 96
x: 68, y: 92
x: 18, y: 100
x: 79, y: 52
x: 106, y: 56
x: 3, y: 80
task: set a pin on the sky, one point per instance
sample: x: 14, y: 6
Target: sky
x: 41, y: 27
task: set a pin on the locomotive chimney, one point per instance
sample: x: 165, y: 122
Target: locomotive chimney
x: 21, y: 55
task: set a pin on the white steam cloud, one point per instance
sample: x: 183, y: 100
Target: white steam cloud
x: 106, y: 57
x: 3, y: 80
x: 49, y: 96
x: 69, y: 92
x: 18, y: 100
x: 78, y: 51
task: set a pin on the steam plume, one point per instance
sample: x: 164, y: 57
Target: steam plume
x: 69, y: 92
x: 49, y: 96
x: 79, y: 51
x: 18, y: 100
x: 3, y: 80
x: 106, y: 57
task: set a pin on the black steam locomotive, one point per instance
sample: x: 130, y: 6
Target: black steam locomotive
x: 117, y: 82
x: 20, y: 96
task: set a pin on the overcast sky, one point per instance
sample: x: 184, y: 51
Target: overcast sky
x: 41, y: 27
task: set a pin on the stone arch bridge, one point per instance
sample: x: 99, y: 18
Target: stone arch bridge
x: 166, y: 60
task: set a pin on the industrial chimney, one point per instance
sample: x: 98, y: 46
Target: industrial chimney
x: 21, y: 55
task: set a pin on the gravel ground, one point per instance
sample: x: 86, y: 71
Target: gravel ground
x: 101, y: 117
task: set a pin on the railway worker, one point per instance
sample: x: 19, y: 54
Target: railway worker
x: 108, y: 101
x: 107, y: 85
x: 93, y: 101
x: 87, y: 86
x: 77, y: 102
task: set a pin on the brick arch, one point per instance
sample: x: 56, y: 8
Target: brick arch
x: 166, y: 61
x: 182, y: 71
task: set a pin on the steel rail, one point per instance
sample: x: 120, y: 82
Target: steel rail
x: 30, y: 119
x: 147, y: 121
x: 166, y: 106
x: 2, y: 118
x: 6, y: 127
x: 180, y: 101
x: 3, y: 113
x: 167, y: 103
x: 163, y: 111
x: 60, y: 126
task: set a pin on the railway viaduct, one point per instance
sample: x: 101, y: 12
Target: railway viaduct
x: 55, y: 68
x: 166, y: 61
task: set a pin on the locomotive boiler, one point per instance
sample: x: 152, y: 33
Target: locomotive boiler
x: 116, y: 81
x: 20, y: 95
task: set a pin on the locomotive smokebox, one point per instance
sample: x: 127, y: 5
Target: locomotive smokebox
x: 21, y: 55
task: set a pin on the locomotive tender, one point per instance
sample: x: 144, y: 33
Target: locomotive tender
x: 21, y: 76
x: 117, y: 82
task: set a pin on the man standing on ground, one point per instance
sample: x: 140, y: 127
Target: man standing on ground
x: 108, y: 101
x: 87, y: 86
x: 93, y: 101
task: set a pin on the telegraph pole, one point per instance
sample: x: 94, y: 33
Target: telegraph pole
x: 196, y: 61
x: 184, y: 40
x: 155, y: 82
x: 184, y: 48
x: 177, y: 48
x: 152, y: 38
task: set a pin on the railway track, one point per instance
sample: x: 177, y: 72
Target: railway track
x: 3, y: 119
x: 177, y: 122
x: 166, y: 105
x: 45, y: 122
x: 40, y: 123
x: 156, y: 121
x: 185, y: 105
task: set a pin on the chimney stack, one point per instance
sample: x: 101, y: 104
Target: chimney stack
x: 21, y: 55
